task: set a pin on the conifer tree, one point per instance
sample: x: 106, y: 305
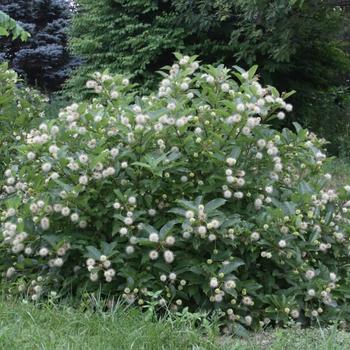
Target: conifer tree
x: 44, y: 60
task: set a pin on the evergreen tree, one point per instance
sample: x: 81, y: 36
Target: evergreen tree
x: 44, y: 60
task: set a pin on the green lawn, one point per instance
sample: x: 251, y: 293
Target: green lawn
x: 25, y: 326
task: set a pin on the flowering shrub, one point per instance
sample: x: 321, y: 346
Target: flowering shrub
x: 19, y: 107
x: 186, y: 196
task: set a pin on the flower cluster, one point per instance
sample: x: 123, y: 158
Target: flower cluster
x: 188, y: 192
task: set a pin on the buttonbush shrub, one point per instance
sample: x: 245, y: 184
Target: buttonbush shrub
x: 20, y: 109
x: 184, y: 198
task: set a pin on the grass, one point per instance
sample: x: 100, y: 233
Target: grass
x: 24, y: 326
x: 340, y: 170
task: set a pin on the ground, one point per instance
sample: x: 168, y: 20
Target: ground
x: 27, y: 327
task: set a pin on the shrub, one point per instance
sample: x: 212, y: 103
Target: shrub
x: 19, y: 107
x: 186, y: 197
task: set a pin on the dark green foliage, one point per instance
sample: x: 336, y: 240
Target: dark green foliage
x: 296, y: 43
x: 44, y: 60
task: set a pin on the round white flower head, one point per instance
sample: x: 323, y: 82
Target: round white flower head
x: 46, y: 167
x: 103, y: 258
x: 333, y: 276
x: 30, y: 155
x: 255, y: 236
x: 45, y: 223
x: 170, y: 240
x: 153, y: 255
x: 213, y: 282
x: 169, y: 256
x: 132, y: 200
x: 231, y: 161
x: 43, y: 252
x: 172, y: 276
x: 282, y: 243
x: 129, y: 249
x: 310, y: 274
x: 154, y: 237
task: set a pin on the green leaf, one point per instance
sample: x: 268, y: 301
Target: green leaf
x: 165, y: 230
x: 214, y: 204
x: 233, y: 266
x: 93, y: 252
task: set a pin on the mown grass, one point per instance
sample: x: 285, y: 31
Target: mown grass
x: 25, y: 326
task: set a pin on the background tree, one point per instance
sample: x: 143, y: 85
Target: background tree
x: 44, y: 60
x: 296, y: 44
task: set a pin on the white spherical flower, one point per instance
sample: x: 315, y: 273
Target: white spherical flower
x: 124, y: 165
x: 152, y: 212
x: 83, y: 158
x: 154, y: 237
x: 43, y: 252
x: 248, y: 320
x: 255, y: 236
x: 210, y: 79
x: 123, y: 231
x: 230, y: 284
x: 94, y: 276
x: 10, y: 272
x: 184, y: 86
x: 333, y: 276
x: 114, y: 152
x: 46, y: 167
x: 172, y: 276
x: 153, y: 255
x: 212, y: 237
x: 240, y: 107
x: 65, y: 211
x: 90, y: 262
x: 129, y: 249
x: 281, y: 115
x: 295, y: 313
x: 269, y: 189
x: 169, y: 256
x: 128, y: 221
x: 163, y: 278
x: 28, y: 251
x: 288, y: 107
x: 83, y: 180
x: 225, y: 87
x: 45, y: 223
x: 170, y: 240
x: 214, y: 282
x: 310, y: 274
x: 238, y: 195
x: 189, y: 214
x: 30, y: 155
x: 103, y: 258
x: 282, y: 243
x: 171, y: 106
x: 202, y: 230
x: 58, y: 262
x: 74, y: 217
x: 231, y: 161
x: 114, y: 95
x: 227, y: 194
x: 116, y: 205
x: 132, y: 200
